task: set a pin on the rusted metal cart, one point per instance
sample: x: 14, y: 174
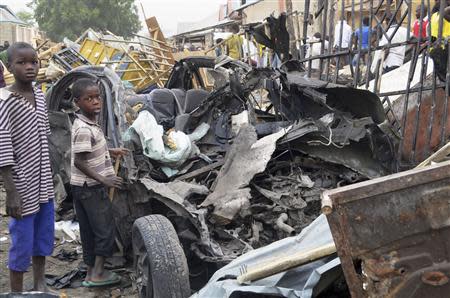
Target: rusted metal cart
x: 393, y: 233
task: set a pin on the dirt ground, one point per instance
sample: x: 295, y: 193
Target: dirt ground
x: 58, y: 267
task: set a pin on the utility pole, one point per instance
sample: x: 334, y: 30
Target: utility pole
x: 290, y: 29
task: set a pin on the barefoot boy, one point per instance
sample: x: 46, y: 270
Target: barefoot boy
x: 25, y: 167
x: 91, y: 172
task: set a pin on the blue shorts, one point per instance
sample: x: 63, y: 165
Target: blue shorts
x: 33, y: 235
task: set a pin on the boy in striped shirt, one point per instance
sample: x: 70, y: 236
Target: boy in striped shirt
x: 91, y: 172
x: 25, y: 167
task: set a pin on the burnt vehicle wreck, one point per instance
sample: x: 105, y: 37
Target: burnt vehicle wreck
x: 215, y: 174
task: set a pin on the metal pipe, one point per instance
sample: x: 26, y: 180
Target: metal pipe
x: 341, y: 29
x: 411, y: 90
x: 330, y: 43
x: 447, y: 92
x: 324, y: 33
x: 305, y: 26
x: 424, y: 66
x: 369, y: 54
x: 356, y: 77
x: 405, y: 105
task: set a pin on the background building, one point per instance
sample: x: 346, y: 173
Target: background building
x: 13, y: 29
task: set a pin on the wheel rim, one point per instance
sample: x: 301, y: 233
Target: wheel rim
x: 142, y: 267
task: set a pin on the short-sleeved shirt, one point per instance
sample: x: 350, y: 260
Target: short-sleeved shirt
x: 346, y: 35
x: 364, y: 35
x: 396, y: 54
x: 416, y: 28
x: 88, y: 137
x: 234, y: 44
x: 24, y: 130
x: 315, y: 50
x: 435, y: 26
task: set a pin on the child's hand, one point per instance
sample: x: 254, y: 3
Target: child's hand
x: 14, y: 204
x: 117, y: 152
x: 112, y: 181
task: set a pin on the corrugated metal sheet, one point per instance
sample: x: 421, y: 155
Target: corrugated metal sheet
x: 8, y: 16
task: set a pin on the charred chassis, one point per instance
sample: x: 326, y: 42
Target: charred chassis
x: 310, y: 136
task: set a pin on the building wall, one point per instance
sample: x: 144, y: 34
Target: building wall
x: 12, y: 32
x: 299, y: 5
x: 6, y: 32
x: 260, y: 11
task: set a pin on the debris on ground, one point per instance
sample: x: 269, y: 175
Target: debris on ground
x: 67, y: 231
x: 71, y: 279
x: 298, y: 282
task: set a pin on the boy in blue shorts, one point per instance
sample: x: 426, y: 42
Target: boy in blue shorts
x: 25, y: 167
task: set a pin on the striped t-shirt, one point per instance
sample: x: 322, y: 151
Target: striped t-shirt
x: 24, y: 146
x: 88, y: 137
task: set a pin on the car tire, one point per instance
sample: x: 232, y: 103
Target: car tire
x: 159, y: 260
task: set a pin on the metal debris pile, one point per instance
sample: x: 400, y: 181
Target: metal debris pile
x: 235, y: 168
x: 144, y: 62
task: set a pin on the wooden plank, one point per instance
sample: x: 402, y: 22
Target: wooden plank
x: 155, y: 31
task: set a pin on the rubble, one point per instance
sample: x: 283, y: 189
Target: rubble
x: 146, y: 67
x: 247, y: 181
x: 302, y: 281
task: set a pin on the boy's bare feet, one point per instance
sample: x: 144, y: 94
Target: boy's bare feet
x: 104, y: 276
x: 16, y: 280
x: 89, y: 273
x: 40, y: 284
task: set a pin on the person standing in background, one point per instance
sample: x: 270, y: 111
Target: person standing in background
x: 234, y: 44
x: 421, y: 14
x: 342, y: 44
x: 363, y: 35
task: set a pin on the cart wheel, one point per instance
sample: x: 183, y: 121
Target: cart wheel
x: 159, y: 261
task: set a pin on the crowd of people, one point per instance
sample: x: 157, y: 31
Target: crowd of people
x: 238, y: 47
x: 347, y: 41
x: 392, y: 33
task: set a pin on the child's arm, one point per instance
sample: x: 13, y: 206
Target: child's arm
x: 80, y: 162
x: 13, y: 198
x: 118, y: 152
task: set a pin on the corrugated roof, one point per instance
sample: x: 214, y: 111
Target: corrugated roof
x: 8, y: 16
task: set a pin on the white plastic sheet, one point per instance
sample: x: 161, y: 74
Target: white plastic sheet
x: 151, y: 136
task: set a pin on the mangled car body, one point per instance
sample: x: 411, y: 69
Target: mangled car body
x: 231, y: 169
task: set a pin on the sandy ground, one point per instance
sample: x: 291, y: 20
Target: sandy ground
x: 56, y: 267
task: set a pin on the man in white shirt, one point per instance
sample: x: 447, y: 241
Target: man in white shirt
x: 314, y: 50
x: 250, y: 51
x: 344, y: 43
x: 394, y: 56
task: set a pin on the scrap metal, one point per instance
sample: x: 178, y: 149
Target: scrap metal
x: 392, y: 233
x: 247, y: 186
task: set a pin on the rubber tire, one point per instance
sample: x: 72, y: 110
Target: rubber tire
x: 168, y: 269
